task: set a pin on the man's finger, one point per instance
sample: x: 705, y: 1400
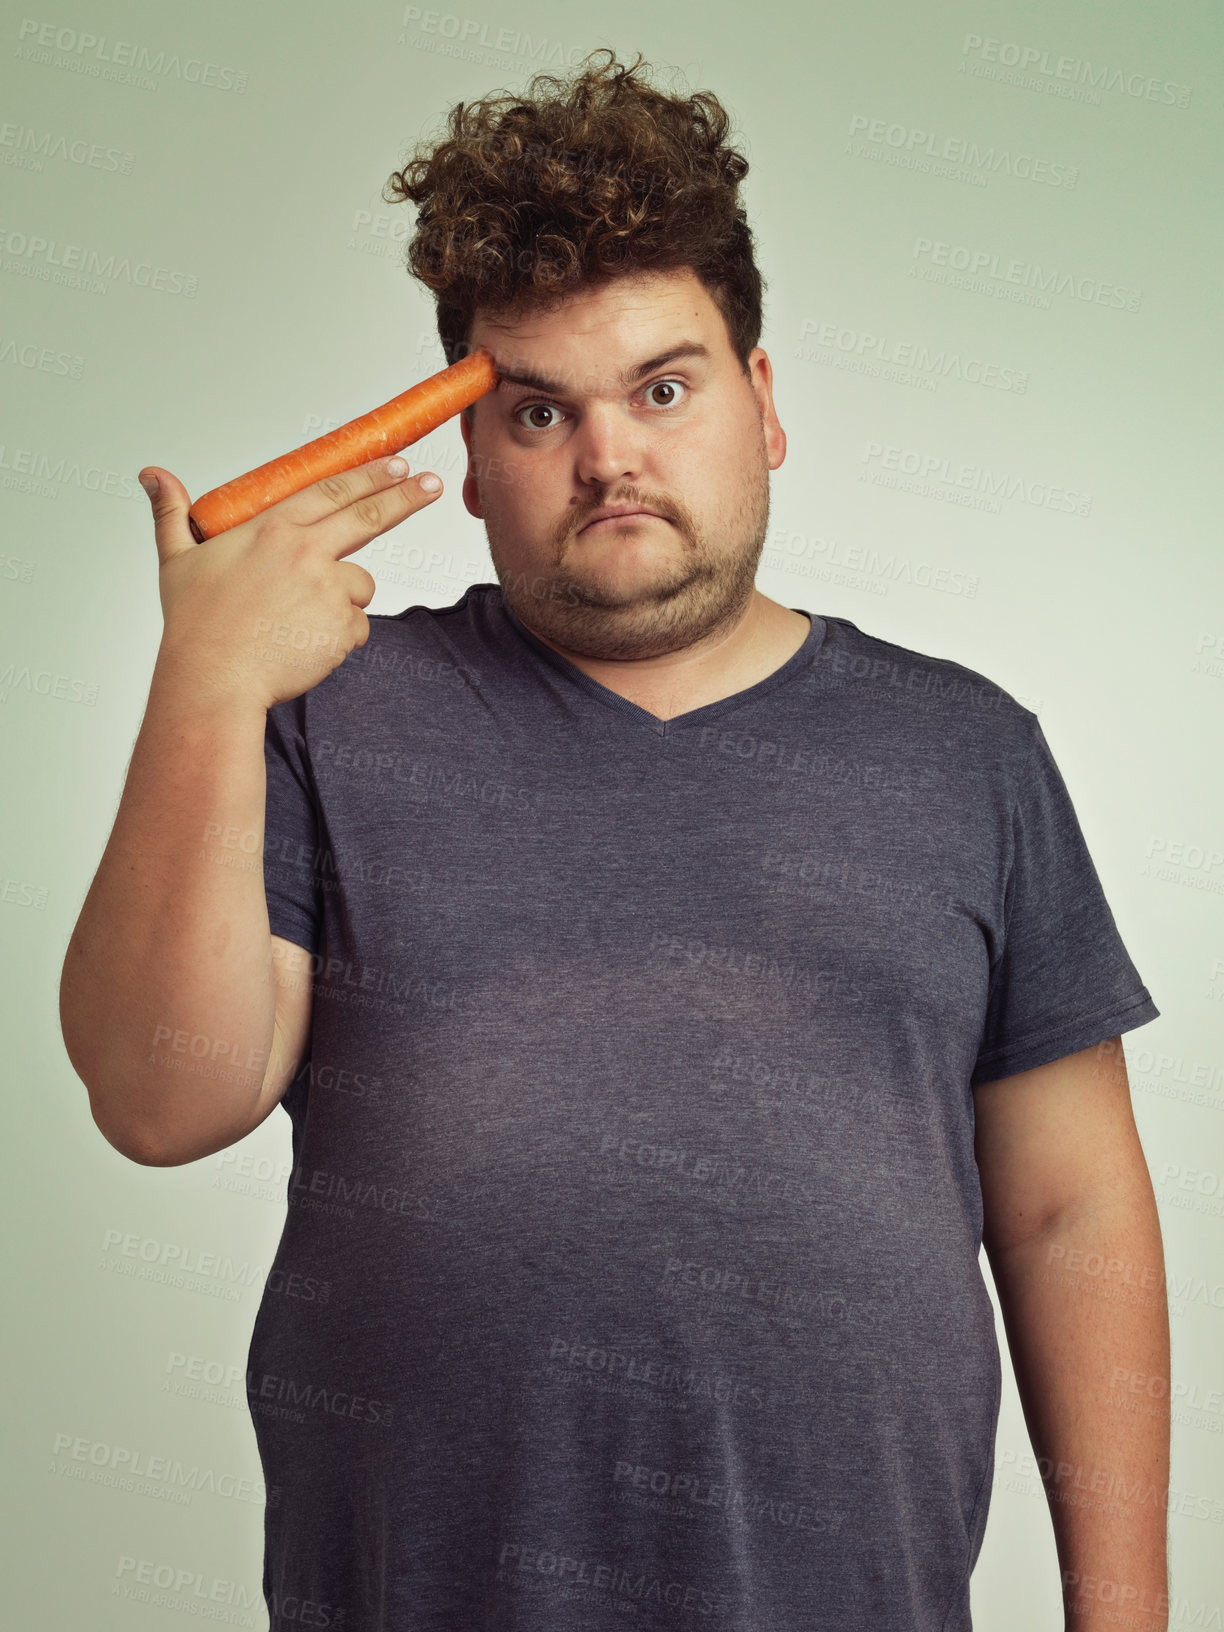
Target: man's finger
x: 334, y: 493
x: 170, y: 502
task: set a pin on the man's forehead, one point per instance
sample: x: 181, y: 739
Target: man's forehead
x: 603, y: 338
x: 539, y: 372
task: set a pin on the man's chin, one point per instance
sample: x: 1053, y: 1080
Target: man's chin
x: 655, y: 548
x: 620, y: 580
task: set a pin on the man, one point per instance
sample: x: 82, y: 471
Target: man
x: 673, y: 990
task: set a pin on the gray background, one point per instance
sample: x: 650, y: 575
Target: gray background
x: 219, y: 171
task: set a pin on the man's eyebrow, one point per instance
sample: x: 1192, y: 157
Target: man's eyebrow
x: 556, y: 388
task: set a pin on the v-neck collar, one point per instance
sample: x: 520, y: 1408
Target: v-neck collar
x: 790, y: 670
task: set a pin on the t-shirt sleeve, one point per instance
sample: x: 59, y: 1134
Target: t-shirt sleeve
x: 292, y: 847
x: 1062, y: 979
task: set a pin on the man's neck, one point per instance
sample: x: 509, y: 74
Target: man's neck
x: 767, y: 637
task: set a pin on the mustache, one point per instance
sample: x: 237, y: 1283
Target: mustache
x: 576, y: 523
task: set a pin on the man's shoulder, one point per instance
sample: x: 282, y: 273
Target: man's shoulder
x: 457, y: 633
x: 885, y: 668
x: 420, y: 654
x: 473, y: 601
x: 920, y: 703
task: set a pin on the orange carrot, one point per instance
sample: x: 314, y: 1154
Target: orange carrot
x: 397, y: 424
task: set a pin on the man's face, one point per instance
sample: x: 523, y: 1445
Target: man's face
x: 691, y: 439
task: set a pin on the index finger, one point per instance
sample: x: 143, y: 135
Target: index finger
x: 331, y: 494
x: 396, y: 424
x: 345, y: 512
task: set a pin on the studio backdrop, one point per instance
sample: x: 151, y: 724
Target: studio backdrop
x: 989, y: 233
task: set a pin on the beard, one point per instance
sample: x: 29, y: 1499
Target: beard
x: 628, y: 591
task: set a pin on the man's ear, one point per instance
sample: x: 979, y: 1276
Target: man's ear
x: 471, y: 493
x: 761, y: 378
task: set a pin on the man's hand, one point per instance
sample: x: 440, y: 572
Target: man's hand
x: 267, y: 609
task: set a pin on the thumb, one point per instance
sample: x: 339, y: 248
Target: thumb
x: 170, y: 502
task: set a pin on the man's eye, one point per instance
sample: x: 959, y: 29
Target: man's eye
x: 667, y: 385
x: 551, y: 408
x: 535, y: 408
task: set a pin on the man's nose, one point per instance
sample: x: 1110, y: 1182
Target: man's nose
x: 608, y: 446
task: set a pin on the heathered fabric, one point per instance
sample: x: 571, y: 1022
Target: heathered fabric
x: 631, y: 1257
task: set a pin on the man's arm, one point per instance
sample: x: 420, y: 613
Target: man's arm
x: 1072, y: 1236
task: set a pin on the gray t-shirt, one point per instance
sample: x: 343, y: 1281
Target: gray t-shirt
x: 631, y: 1266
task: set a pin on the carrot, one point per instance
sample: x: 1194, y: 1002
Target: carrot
x: 397, y: 424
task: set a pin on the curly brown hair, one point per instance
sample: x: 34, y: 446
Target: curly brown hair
x: 531, y: 198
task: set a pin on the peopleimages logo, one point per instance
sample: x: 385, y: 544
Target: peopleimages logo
x: 980, y: 479
x: 1043, y: 281
x: 32, y: 354
x: 1077, y: 71
x: 467, y: 38
x: 961, y: 151
x: 31, y: 146
x: 32, y: 470
x: 80, y: 267
x: 912, y: 355
x: 122, y: 60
